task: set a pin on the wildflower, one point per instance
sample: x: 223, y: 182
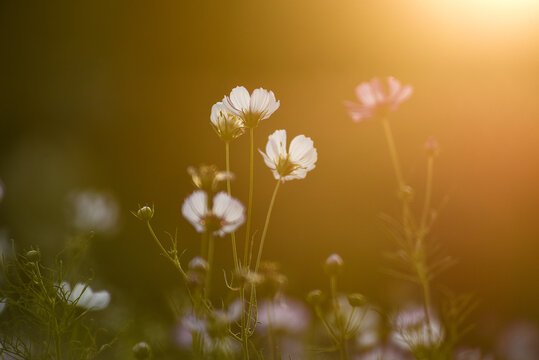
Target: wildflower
x: 226, y: 215
x: 376, y: 99
x: 94, y: 211
x: 228, y: 126
x: 333, y: 265
x: 251, y: 109
x: 363, y: 322
x: 292, y: 164
x: 211, y: 330
x: 208, y: 177
x: 83, y: 296
x: 411, y: 330
x: 284, y: 315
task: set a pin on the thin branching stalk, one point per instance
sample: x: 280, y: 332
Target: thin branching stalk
x: 419, y: 259
x: 428, y: 195
x: 173, y: 259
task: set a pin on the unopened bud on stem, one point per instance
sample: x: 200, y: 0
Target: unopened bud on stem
x: 315, y: 297
x: 145, y: 213
x: 333, y: 265
x: 142, y: 351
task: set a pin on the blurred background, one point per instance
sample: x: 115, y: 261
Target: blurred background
x: 113, y: 98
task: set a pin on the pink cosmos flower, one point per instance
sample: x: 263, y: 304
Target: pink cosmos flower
x: 376, y: 98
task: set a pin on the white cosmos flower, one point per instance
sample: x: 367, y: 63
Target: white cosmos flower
x: 83, y: 296
x: 226, y: 215
x: 292, y: 164
x: 251, y: 109
x: 94, y: 211
x: 227, y: 125
x: 411, y: 330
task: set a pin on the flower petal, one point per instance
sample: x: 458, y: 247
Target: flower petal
x: 194, y: 209
x: 302, y: 152
x: 276, y: 145
x: 238, y: 100
x: 231, y: 212
x: 365, y: 94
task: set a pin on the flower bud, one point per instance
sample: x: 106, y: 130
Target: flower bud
x: 207, y: 177
x: 199, y: 265
x: 33, y: 255
x: 356, y: 300
x: 315, y: 297
x: 432, y: 147
x: 145, y: 213
x: 142, y: 351
x: 333, y: 265
x: 194, y: 280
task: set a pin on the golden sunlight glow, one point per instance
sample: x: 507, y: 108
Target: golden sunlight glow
x: 497, y: 17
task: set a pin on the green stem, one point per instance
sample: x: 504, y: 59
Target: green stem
x: 250, y: 205
x: 204, y: 246
x: 265, y: 231
x: 244, y: 325
x: 428, y: 194
x: 341, y: 339
x: 210, y: 263
x: 174, y: 259
x: 229, y: 190
x: 393, y: 153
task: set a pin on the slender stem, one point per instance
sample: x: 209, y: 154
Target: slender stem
x: 420, y: 261
x: 250, y: 206
x: 326, y: 325
x: 165, y: 253
x: 204, y: 245
x: 227, y: 162
x: 339, y: 320
x: 211, y: 245
x: 393, y: 152
x: 229, y: 190
x: 244, y: 325
x: 174, y: 259
x: 428, y: 193
x: 265, y: 231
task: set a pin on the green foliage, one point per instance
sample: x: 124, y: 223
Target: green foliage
x: 40, y: 320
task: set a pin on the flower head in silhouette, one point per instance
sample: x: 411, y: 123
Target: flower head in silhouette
x: 251, y: 108
x: 376, y: 99
x: 294, y: 163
